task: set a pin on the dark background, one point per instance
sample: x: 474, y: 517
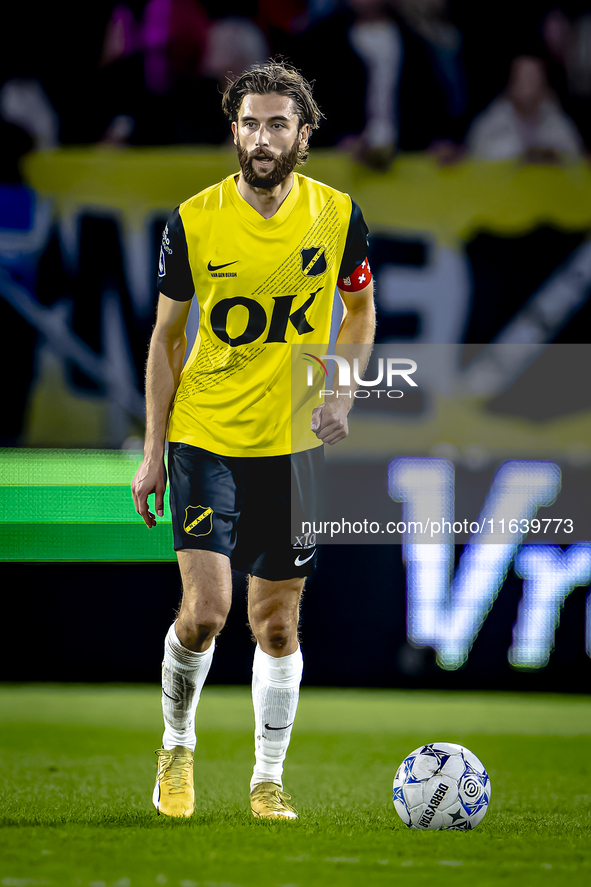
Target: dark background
x: 107, y: 622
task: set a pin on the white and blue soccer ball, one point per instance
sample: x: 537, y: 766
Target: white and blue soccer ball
x: 441, y: 786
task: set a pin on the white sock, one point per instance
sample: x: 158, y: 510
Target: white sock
x: 183, y: 676
x: 275, y: 694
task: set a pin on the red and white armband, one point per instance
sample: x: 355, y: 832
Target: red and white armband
x: 356, y: 281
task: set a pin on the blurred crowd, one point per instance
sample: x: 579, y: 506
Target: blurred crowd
x: 451, y: 77
x: 455, y: 78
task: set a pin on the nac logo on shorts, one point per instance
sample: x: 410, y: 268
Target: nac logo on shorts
x: 198, y: 520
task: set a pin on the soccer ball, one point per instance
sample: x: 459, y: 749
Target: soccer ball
x: 441, y: 786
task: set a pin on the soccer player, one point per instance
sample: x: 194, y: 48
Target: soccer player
x: 264, y: 252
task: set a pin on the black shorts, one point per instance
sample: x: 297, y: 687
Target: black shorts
x: 250, y: 508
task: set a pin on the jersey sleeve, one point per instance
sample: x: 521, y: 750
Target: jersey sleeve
x: 356, y: 247
x: 174, y: 271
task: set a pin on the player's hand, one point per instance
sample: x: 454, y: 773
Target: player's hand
x: 149, y: 478
x: 329, y: 422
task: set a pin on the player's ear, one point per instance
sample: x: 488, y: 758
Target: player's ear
x: 304, y: 134
x: 235, y: 132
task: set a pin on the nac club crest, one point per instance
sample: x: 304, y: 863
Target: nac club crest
x: 198, y: 520
x: 313, y: 261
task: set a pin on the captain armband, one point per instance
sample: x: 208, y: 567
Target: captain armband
x: 356, y: 281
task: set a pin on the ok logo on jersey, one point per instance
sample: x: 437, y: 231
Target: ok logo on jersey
x: 281, y: 316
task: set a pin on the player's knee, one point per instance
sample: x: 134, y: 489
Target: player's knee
x: 197, y: 626
x: 210, y: 628
x: 196, y: 635
x: 278, y: 639
x: 275, y: 633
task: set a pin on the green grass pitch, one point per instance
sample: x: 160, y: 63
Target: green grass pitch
x: 78, y: 769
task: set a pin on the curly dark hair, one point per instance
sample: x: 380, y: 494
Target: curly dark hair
x: 274, y: 76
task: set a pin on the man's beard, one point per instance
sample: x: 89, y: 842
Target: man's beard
x: 284, y: 165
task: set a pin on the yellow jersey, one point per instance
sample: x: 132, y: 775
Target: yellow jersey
x: 263, y: 285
